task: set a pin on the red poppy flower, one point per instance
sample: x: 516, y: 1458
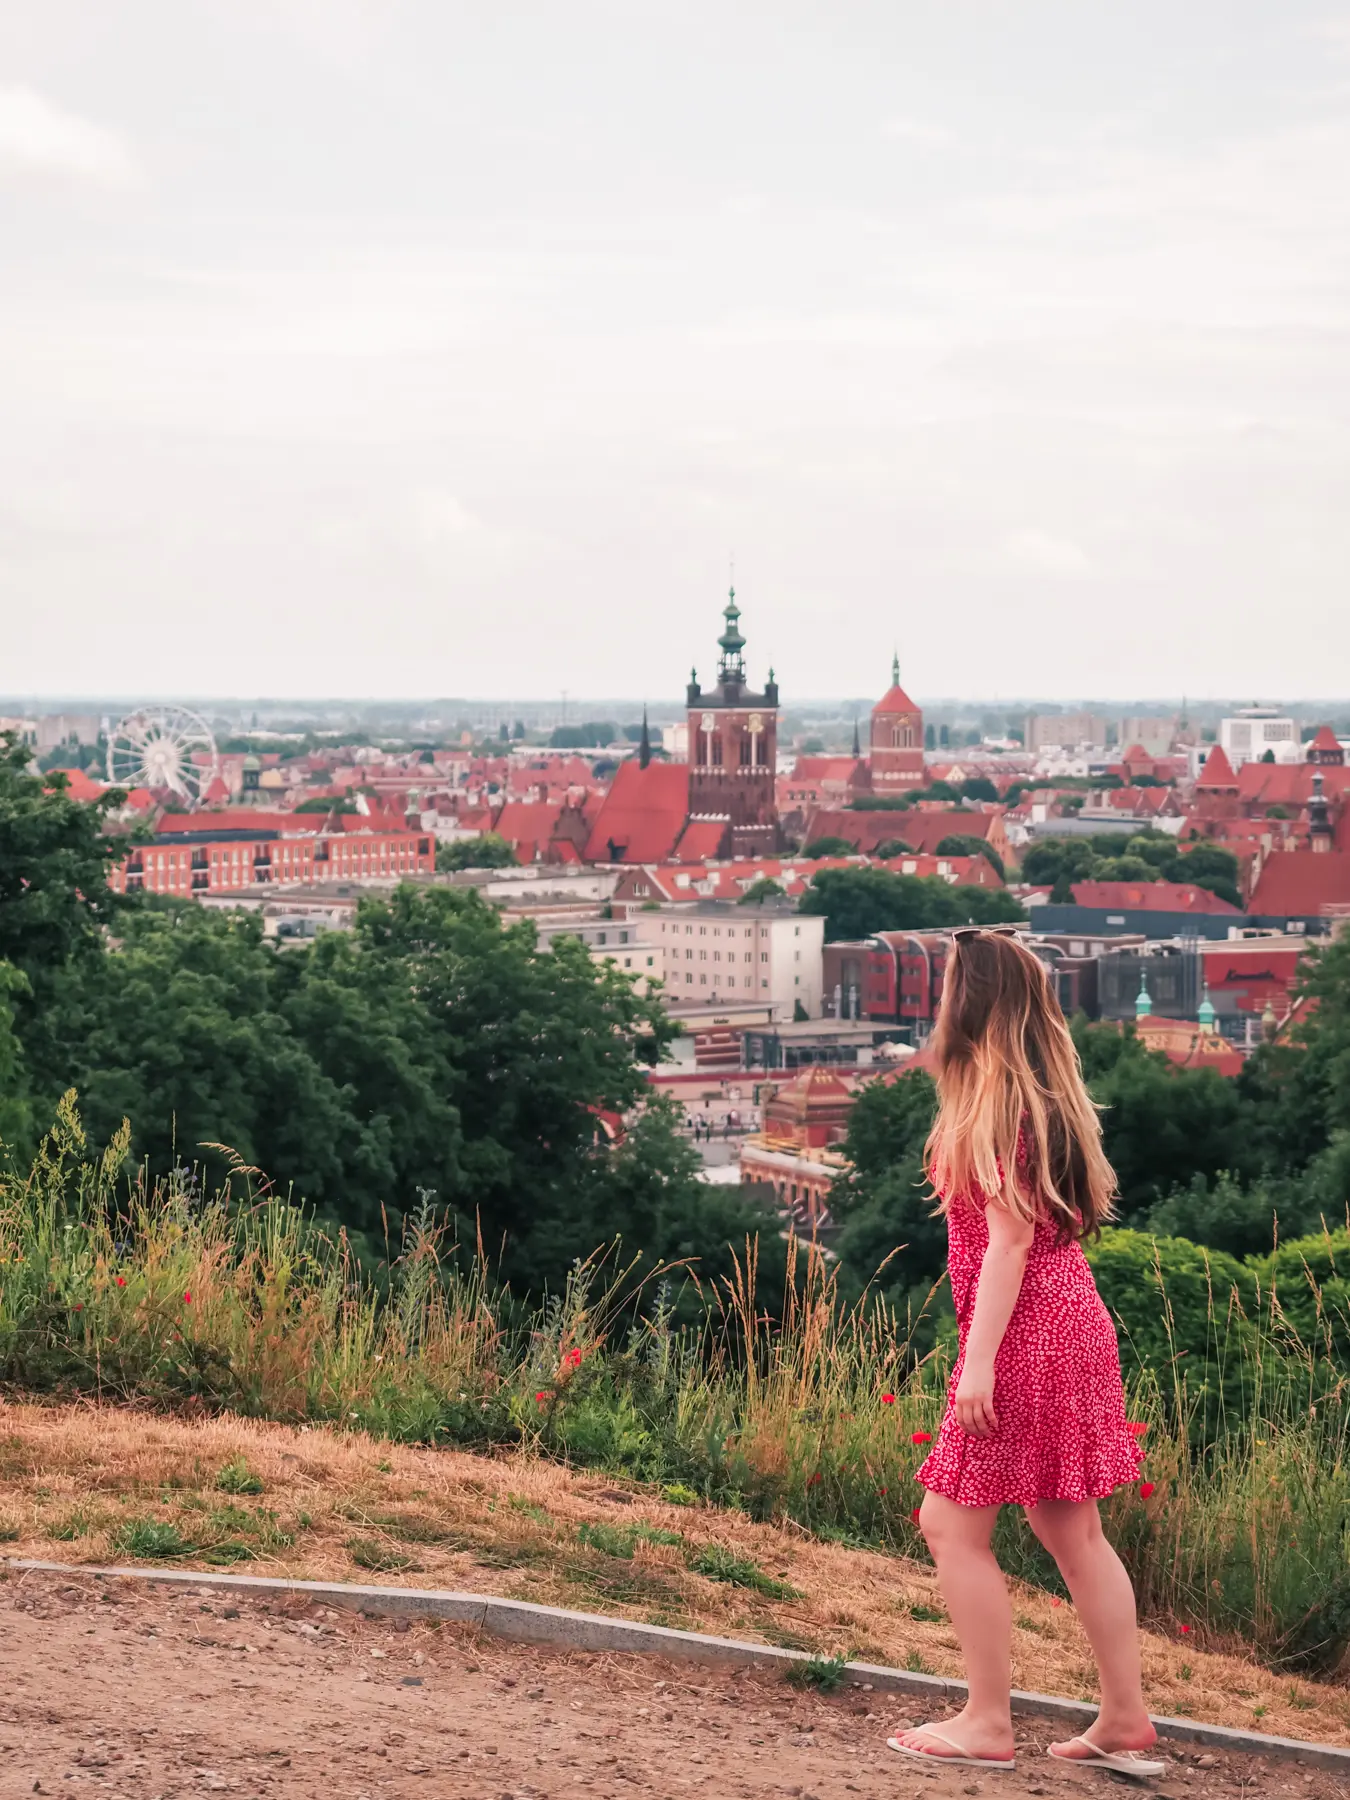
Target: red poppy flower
x: 888, y: 1399
x: 1145, y: 1489
x: 1135, y: 1428
x: 882, y: 1493
x: 572, y: 1360
x: 121, y: 1281
x: 915, y: 1515
x: 187, y: 1298
x: 79, y: 1306
x: 541, y: 1397
x: 922, y: 1437
x: 1185, y: 1630
x: 815, y: 1480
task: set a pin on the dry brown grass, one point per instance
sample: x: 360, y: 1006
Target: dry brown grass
x: 72, y: 1477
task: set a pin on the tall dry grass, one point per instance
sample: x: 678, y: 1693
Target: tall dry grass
x: 788, y: 1406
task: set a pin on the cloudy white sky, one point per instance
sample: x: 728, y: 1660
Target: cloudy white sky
x: 432, y: 347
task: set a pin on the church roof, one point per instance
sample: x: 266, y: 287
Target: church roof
x: 1218, y: 771
x: 642, y: 815
x: 1326, y: 739
x: 894, y: 700
x: 1300, y: 883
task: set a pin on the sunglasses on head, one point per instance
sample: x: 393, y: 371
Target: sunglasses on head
x: 963, y: 932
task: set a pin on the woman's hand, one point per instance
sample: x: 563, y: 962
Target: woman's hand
x: 974, y: 1401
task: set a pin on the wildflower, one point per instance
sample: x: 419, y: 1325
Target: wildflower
x: 187, y: 1298
x: 888, y: 1399
x: 1145, y: 1489
x: 815, y: 1480
x: 922, y: 1437
x: 79, y: 1306
x: 541, y: 1396
x: 882, y: 1493
x: 121, y: 1281
x: 1185, y: 1630
x: 915, y: 1515
x: 572, y: 1360
x: 1135, y: 1428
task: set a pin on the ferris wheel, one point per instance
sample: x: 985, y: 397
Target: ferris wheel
x: 164, y: 748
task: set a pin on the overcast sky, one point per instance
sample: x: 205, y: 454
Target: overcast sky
x: 424, y: 347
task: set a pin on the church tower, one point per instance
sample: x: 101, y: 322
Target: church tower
x: 733, y: 747
x: 897, y: 740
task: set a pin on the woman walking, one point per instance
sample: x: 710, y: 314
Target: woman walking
x: 1036, y: 1411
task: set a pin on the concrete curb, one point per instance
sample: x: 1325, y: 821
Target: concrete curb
x: 553, y: 1625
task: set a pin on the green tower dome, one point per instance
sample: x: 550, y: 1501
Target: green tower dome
x: 1143, y: 1005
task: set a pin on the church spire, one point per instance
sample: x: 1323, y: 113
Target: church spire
x: 645, y: 744
x: 895, y: 669
x: 857, y: 741
x: 731, y: 643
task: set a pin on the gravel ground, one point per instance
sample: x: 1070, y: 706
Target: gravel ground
x: 117, y: 1691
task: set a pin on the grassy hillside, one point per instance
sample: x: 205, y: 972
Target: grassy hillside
x: 91, y: 1485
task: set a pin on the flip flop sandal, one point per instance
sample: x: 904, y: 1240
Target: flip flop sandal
x: 937, y: 1756
x: 1120, y: 1762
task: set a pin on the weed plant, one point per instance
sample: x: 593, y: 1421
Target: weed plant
x: 784, y: 1406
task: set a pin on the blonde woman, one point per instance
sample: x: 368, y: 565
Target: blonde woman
x: 1036, y: 1411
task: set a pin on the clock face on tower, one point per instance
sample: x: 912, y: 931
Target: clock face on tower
x: 709, y: 721
x: 756, y: 723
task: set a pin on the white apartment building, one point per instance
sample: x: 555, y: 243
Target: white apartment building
x: 1254, y: 731
x: 633, y: 945
x: 722, y: 954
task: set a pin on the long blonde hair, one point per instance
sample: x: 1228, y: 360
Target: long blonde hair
x: 1015, y: 1119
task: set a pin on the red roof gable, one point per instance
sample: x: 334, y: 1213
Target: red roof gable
x: 1148, y: 896
x: 1325, y: 739
x: 527, y: 825
x: 896, y: 700
x: 1218, y: 771
x: 642, y: 815
x: 701, y: 839
x: 1301, y: 883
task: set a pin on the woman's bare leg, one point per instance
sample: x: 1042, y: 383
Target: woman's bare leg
x: 977, y: 1601
x: 1104, y: 1600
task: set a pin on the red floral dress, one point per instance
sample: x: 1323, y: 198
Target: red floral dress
x: 1057, y: 1389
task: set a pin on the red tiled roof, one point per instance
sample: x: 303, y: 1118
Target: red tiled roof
x: 826, y: 768
x: 701, y: 839
x: 1148, y: 896
x: 895, y: 700
x: 1289, y: 784
x: 238, y: 818
x: 527, y: 825
x: 1218, y: 771
x: 1325, y: 739
x: 78, y: 784
x: 730, y: 880
x: 1301, y: 883
x: 917, y: 826
x: 643, y: 814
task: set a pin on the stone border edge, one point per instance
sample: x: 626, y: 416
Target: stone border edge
x: 525, y: 1622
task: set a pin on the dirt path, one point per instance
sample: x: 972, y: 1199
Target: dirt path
x: 112, y: 1690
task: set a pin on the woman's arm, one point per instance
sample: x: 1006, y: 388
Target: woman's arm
x: 1004, y: 1265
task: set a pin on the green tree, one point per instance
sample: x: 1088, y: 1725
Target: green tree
x: 890, y: 847
x: 486, y: 851
x: 978, y: 787
x: 856, y: 903
x: 958, y: 844
x: 766, y: 888
x: 828, y: 846
x: 884, y: 1204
